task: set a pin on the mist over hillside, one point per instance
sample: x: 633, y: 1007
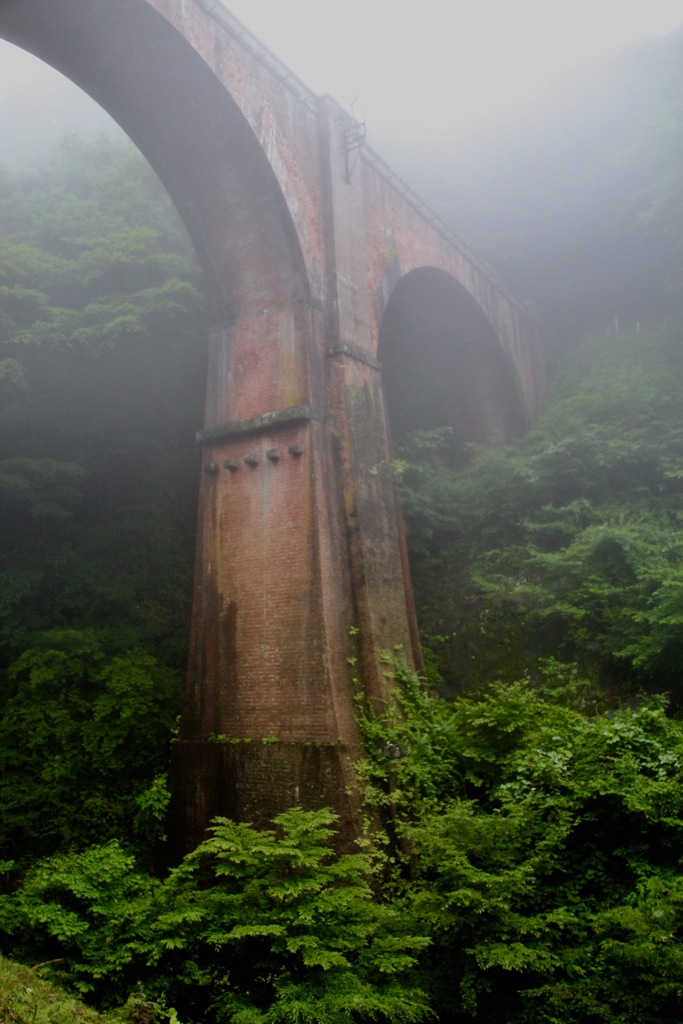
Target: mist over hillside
x: 551, y: 197
x: 34, y: 118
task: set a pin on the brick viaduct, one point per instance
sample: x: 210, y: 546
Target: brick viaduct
x: 340, y: 304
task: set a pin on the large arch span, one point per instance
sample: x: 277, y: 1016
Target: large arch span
x: 318, y: 265
x: 137, y: 65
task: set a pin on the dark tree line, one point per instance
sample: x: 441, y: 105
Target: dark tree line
x: 101, y: 375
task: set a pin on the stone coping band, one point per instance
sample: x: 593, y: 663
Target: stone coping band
x: 258, y: 424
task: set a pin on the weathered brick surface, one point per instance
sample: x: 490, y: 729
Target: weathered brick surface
x: 253, y: 781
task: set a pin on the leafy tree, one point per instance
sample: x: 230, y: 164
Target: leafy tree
x: 531, y: 873
x: 102, y: 329
x: 101, y: 366
x: 566, y: 544
x: 84, y: 744
x: 253, y: 926
x: 91, y: 913
x: 540, y: 838
x: 284, y: 930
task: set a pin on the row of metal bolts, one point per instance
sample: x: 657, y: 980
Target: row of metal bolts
x: 273, y: 455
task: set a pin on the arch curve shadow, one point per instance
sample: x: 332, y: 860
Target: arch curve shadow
x: 443, y: 365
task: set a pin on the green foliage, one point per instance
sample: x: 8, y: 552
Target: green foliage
x: 253, y: 926
x: 566, y: 544
x: 284, y: 930
x: 530, y: 871
x: 542, y: 845
x: 82, y: 739
x: 101, y: 371
x: 91, y: 913
x: 45, y: 488
x: 102, y: 331
x: 26, y: 998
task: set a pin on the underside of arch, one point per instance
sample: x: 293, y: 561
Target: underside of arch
x: 149, y: 78
x: 443, y: 365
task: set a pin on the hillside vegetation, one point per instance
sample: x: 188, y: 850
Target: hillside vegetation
x: 566, y: 544
x: 101, y: 378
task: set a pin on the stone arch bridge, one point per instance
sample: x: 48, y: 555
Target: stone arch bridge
x: 340, y: 305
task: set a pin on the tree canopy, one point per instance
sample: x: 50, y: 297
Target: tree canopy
x: 102, y: 365
x: 566, y: 544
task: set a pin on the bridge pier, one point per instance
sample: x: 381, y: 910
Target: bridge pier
x: 298, y: 541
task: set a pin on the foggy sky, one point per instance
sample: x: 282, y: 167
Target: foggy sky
x: 443, y: 66
x: 429, y: 69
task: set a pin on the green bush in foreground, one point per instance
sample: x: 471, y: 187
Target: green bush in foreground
x: 286, y: 931
x: 545, y: 841
x: 528, y: 870
x: 254, y: 926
